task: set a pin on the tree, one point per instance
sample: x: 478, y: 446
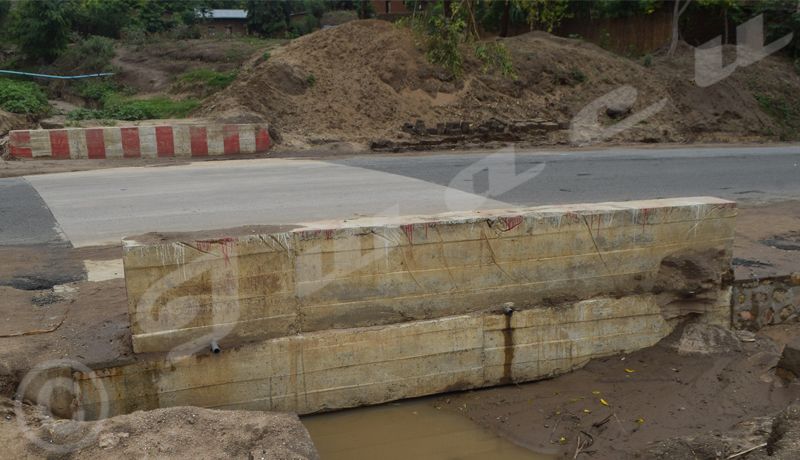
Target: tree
x: 676, y: 15
x: 42, y: 27
x: 268, y: 18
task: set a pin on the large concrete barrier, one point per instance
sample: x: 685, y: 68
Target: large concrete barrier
x: 342, y: 314
x: 140, y: 141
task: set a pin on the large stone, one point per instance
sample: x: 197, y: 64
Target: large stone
x: 790, y: 359
x: 618, y: 109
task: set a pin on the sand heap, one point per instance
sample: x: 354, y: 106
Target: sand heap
x: 365, y: 79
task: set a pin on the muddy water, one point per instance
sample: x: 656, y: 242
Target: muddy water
x: 410, y: 429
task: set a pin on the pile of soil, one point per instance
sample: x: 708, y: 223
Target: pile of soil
x: 700, y: 379
x: 10, y: 121
x: 362, y: 80
x: 175, y: 433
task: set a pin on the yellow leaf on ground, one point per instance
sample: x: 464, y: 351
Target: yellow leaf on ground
x: 629, y: 371
x: 603, y: 401
x: 638, y: 420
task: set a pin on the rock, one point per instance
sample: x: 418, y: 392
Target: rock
x: 465, y: 127
x: 408, y: 128
x: 563, y: 125
x: 453, y: 125
x: 441, y: 128
x: 433, y: 131
x: 618, y: 109
x: 746, y: 316
x: 790, y: 359
x: 419, y: 128
x: 380, y: 143
x: 109, y: 440
x: 779, y: 295
x: 400, y: 135
x: 483, y: 130
x: 767, y: 316
x: 706, y: 339
x: 548, y: 126
x: 45, y: 124
x: 796, y: 278
x: 786, y: 313
x: 454, y: 132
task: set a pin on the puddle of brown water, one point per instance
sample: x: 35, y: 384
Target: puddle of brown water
x: 410, y: 429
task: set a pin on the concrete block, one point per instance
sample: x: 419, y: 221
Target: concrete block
x: 380, y: 271
x: 141, y: 141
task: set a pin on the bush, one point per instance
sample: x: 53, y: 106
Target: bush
x: 311, y: 80
x: 184, y: 32
x: 137, y: 37
x: 146, y: 109
x: 96, y: 51
x: 22, y: 97
x: 496, y: 55
x: 648, y: 59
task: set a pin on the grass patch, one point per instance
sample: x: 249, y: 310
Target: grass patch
x: 783, y: 111
x: 209, y: 77
x: 22, y: 97
x: 120, y: 108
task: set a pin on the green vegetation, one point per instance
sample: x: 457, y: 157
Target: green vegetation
x: 22, y: 97
x: 312, y: 80
x: 495, y: 55
x: 144, y: 109
x: 579, y: 75
x: 648, y: 59
x: 783, y: 111
x: 209, y: 77
x: 88, y: 55
x: 42, y: 28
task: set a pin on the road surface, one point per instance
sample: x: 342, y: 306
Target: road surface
x: 99, y: 207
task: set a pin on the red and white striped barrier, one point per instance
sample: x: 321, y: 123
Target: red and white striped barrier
x: 140, y: 141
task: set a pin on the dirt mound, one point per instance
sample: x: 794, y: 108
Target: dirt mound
x: 10, y: 121
x: 364, y: 80
x: 176, y: 433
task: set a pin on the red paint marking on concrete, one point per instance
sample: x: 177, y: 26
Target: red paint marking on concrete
x: 571, y: 214
x: 130, y: 142
x: 262, y: 140
x: 409, y: 229
x: 199, y: 139
x: 165, y: 143
x: 20, y: 143
x: 95, y: 143
x: 328, y: 234
x: 230, y: 139
x: 512, y: 222
x: 59, y: 143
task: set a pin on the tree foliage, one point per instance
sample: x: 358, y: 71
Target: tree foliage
x: 42, y: 27
x: 267, y: 18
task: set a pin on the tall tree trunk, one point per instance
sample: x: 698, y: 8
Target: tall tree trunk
x: 364, y: 9
x: 725, y: 18
x: 504, y: 21
x: 447, y: 10
x: 676, y: 15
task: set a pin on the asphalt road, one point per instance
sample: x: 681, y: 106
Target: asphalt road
x: 99, y: 207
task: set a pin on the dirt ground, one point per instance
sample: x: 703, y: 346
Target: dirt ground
x: 699, y: 379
